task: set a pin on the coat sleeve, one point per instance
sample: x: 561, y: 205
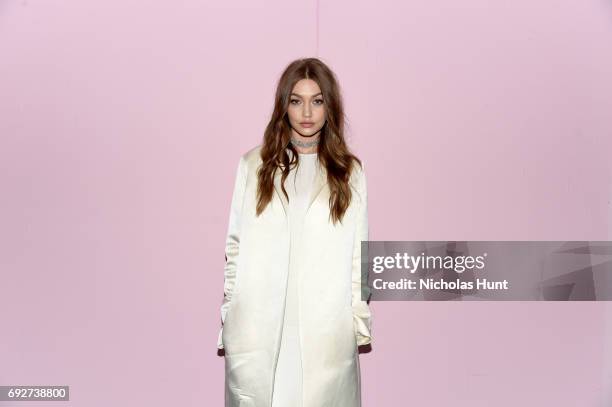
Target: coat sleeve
x: 232, y: 243
x: 362, y: 317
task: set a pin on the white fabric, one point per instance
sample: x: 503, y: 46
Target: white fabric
x: 334, y: 317
x: 288, y: 376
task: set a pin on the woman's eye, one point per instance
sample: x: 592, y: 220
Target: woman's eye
x: 318, y: 101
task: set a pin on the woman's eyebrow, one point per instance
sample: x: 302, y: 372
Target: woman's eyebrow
x: 316, y: 94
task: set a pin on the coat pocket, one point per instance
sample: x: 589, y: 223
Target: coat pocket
x: 246, y: 401
x: 227, y: 324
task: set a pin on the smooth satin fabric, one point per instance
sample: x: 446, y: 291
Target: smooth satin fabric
x: 322, y: 267
x: 288, y: 375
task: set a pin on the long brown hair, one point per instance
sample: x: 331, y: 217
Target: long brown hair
x: 333, y: 153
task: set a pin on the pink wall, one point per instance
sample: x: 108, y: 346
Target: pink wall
x: 121, y: 123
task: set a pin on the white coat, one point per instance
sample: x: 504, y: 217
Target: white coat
x: 333, y: 320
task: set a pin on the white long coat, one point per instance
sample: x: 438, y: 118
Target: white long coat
x: 333, y: 320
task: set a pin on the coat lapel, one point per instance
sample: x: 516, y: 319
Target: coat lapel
x: 318, y: 184
x: 279, y: 191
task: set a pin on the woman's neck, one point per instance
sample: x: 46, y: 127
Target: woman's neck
x: 306, y: 145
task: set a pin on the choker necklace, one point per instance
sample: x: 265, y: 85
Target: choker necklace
x: 304, y: 144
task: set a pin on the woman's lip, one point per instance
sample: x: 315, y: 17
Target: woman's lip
x: 307, y: 124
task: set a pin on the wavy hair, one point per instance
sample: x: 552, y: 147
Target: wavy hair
x: 333, y: 153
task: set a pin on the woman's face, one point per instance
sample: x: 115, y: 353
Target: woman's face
x: 306, y: 109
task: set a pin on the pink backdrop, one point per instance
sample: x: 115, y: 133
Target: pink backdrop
x: 121, y: 124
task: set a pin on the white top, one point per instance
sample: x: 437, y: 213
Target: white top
x: 288, y: 375
x: 299, y: 189
x: 299, y: 186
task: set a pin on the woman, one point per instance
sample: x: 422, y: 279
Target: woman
x: 293, y: 314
